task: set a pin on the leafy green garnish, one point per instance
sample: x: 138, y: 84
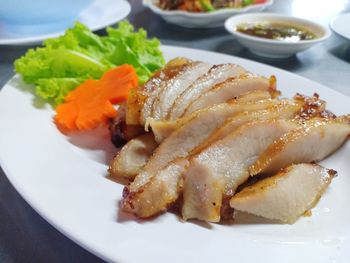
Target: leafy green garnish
x: 206, y: 5
x: 66, y: 61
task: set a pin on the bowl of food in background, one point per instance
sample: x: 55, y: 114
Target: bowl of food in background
x: 203, y: 13
x: 275, y: 35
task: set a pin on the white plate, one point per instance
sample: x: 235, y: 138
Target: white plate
x: 202, y: 20
x: 340, y: 25
x: 98, y: 15
x: 63, y: 179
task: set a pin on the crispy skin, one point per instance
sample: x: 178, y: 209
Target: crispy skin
x: 287, y: 195
x: 312, y: 142
x: 148, y: 93
x: 218, y: 170
x: 143, y: 96
x: 138, y: 96
x: 232, y: 88
x: 132, y: 157
x: 171, y: 89
x: 216, y: 75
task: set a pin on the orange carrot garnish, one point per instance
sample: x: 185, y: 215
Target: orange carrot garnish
x: 91, y: 103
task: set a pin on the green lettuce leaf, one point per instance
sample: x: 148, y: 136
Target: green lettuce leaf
x: 66, y: 61
x: 55, y: 89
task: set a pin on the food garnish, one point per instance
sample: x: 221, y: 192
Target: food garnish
x: 205, y: 5
x: 91, y: 103
x: 67, y: 61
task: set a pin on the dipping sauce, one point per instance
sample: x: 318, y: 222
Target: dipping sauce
x: 275, y: 31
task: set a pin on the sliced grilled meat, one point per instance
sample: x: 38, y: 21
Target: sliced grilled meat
x: 218, y: 170
x: 168, y: 92
x: 132, y: 157
x: 232, y: 88
x: 287, y: 195
x: 216, y: 75
x: 163, y: 129
x: 311, y: 142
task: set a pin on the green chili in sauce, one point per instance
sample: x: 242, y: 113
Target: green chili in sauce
x: 275, y: 31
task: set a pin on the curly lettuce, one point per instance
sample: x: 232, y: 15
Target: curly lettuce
x: 66, y: 61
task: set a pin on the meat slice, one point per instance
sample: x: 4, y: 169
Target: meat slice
x: 181, y: 142
x: 313, y: 141
x: 215, y: 173
x: 216, y: 75
x: 139, y: 96
x: 284, y: 109
x: 287, y: 195
x: 197, y: 130
x: 132, y: 157
x: 147, y: 93
x: 173, y: 88
x: 301, y: 107
x: 162, y: 129
x: 158, y: 194
x: 231, y: 89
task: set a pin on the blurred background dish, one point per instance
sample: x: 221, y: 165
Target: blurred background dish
x: 340, y: 25
x: 28, y: 17
x: 97, y: 15
x: 274, y: 35
x: 208, y: 19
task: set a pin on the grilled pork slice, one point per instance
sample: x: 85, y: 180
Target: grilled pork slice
x: 158, y: 194
x: 162, y: 129
x: 138, y: 96
x: 231, y: 89
x: 216, y: 75
x: 301, y: 107
x: 215, y: 173
x: 287, y: 195
x: 173, y: 88
x: 132, y: 157
x: 285, y: 109
x: 185, y: 139
x: 197, y: 130
x: 147, y: 93
x: 313, y: 141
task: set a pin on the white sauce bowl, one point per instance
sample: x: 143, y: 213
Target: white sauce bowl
x: 275, y: 48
